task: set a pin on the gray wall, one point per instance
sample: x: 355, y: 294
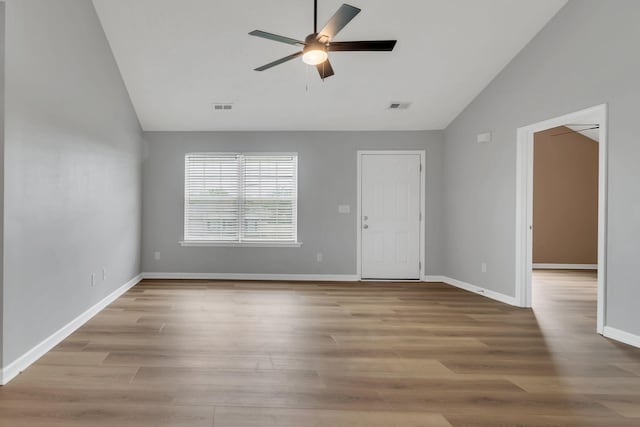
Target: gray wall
x: 587, y: 55
x: 2, y: 40
x: 327, y: 178
x: 73, y: 170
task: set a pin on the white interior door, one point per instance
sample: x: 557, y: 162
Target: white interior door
x: 390, y: 221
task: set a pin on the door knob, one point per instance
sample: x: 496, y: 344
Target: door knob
x: 365, y: 226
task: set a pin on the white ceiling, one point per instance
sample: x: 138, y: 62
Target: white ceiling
x: 179, y: 57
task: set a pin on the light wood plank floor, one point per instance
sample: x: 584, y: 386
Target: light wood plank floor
x: 198, y: 353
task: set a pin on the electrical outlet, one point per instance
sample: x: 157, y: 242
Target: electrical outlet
x: 156, y: 256
x: 483, y: 267
x: 319, y: 257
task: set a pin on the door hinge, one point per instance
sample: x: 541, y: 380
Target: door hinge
x: 420, y: 216
x: 420, y: 167
x: 420, y: 265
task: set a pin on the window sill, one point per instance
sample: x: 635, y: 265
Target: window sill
x: 243, y: 244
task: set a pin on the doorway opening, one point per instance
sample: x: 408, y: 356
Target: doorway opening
x: 561, y: 208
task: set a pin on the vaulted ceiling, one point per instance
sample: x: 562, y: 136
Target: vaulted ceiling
x: 177, y: 58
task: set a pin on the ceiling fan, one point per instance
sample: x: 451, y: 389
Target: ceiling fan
x: 316, y: 46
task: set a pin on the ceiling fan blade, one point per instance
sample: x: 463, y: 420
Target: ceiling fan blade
x: 339, y: 20
x: 279, y: 61
x: 371, y: 45
x: 276, y: 37
x: 325, y: 69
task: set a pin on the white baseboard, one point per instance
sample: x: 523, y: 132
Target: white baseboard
x: 251, y: 276
x: 481, y: 291
x: 268, y: 277
x: 13, y: 369
x: 565, y: 266
x: 433, y: 278
x: 622, y: 336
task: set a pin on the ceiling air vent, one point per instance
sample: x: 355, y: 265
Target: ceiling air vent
x: 399, y: 105
x: 222, y: 106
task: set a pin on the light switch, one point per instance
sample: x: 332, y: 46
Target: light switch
x: 344, y: 209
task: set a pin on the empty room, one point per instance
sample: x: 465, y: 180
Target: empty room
x: 317, y: 213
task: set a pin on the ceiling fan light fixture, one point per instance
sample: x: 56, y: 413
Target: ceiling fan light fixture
x: 314, y: 56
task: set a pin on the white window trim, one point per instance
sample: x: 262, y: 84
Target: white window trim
x: 250, y: 244
x: 268, y: 244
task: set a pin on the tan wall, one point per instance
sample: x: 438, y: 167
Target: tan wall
x: 565, y: 198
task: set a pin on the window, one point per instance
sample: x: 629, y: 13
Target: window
x: 240, y: 199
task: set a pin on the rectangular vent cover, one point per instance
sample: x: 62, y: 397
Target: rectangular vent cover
x: 399, y: 105
x: 222, y: 107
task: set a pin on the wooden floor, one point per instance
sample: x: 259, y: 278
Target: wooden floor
x: 315, y: 354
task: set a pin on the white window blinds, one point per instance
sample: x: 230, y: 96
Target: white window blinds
x: 239, y: 198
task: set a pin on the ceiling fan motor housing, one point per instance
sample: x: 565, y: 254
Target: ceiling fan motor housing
x: 313, y: 42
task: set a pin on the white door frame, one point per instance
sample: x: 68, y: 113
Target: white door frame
x: 422, y: 204
x: 524, y: 203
